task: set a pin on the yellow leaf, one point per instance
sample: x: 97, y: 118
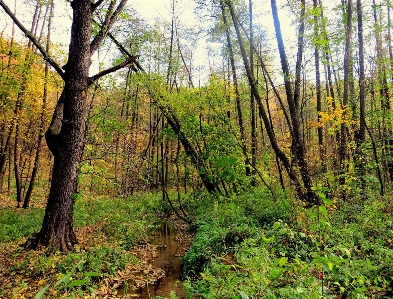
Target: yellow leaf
x: 41, y: 282
x: 330, y: 266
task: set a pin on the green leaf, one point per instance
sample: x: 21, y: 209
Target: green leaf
x: 78, y: 283
x: 64, y: 279
x: 327, y: 201
x: 41, y: 293
x: 276, y: 225
x: 282, y: 261
x: 265, y: 240
x: 323, y: 210
x: 283, y: 231
x: 275, y: 272
x: 92, y: 274
x: 244, y: 295
x: 330, y: 266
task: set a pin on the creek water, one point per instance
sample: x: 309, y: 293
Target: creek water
x: 168, y: 259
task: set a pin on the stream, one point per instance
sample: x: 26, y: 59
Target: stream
x: 168, y: 259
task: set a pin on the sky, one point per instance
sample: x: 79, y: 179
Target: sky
x: 149, y: 10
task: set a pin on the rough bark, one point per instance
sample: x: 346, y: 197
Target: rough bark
x: 57, y: 228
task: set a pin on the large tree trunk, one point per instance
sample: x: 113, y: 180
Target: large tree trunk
x: 65, y: 136
x: 67, y: 146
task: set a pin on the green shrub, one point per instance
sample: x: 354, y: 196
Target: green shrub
x: 226, y: 223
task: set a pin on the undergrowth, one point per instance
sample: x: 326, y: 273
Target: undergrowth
x: 102, y: 263
x: 254, y: 247
x: 247, y: 246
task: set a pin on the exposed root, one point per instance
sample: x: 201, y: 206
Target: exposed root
x: 64, y: 244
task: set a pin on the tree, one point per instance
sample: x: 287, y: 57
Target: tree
x: 343, y: 152
x: 237, y: 94
x: 318, y: 88
x: 360, y: 134
x: 65, y: 136
x: 293, y: 98
x: 307, y: 195
x: 26, y: 201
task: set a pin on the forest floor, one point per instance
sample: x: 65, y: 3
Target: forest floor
x: 114, y: 258
x: 243, y: 247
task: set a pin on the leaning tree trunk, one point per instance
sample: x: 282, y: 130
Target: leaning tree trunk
x: 308, y: 197
x: 293, y: 98
x: 252, y: 103
x: 237, y: 95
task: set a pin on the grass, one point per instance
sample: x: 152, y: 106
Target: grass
x: 18, y: 223
x: 105, y: 260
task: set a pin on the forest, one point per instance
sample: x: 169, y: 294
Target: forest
x: 133, y: 166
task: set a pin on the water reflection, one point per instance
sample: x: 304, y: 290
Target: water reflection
x: 168, y: 259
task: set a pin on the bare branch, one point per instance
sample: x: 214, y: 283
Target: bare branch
x: 124, y: 50
x: 110, y: 19
x: 94, y: 6
x: 33, y: 39
x: 120, y: 46
x: 112, y: 69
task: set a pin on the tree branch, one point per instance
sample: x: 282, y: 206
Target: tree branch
x: 124, y: 50
x: 94, y: 6
x: 32, y: 38
x: 94, y: 78
x: 110, y: 19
